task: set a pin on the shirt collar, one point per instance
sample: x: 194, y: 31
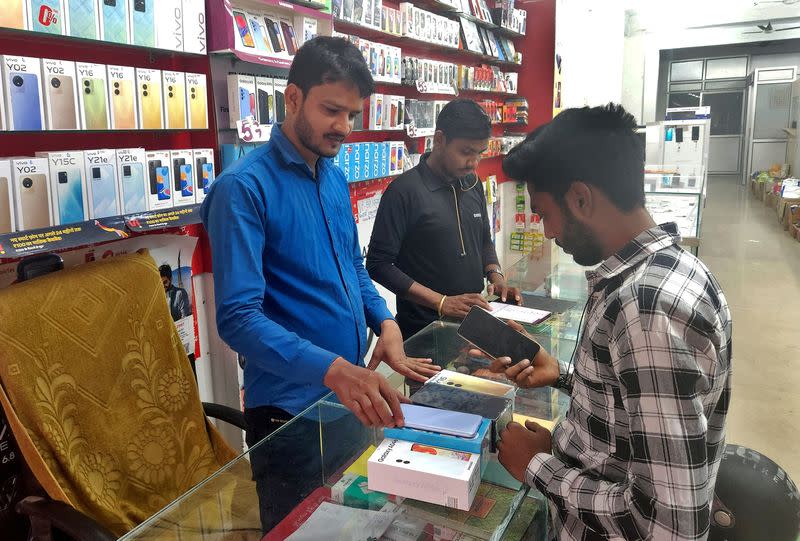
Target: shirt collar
x: 289, y: 153
x: 646, y: 244
x: 432, y: 180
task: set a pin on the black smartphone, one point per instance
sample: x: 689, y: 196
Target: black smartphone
x: 495, y: 338
x: 679, y: 135
x: 273, y: 35
x: 153, y: 166
x: 176, y: 167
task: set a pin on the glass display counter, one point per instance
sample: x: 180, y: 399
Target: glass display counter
x: 328, y: 443
x: 671, y: 196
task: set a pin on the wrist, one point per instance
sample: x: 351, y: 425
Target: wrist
x: 338, y: 367
x: 495, y: 275
x: 390, y: 325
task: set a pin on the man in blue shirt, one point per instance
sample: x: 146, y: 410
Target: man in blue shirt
x: 291, y: 290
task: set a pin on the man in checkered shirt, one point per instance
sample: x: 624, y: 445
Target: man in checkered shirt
x: 638, y: 453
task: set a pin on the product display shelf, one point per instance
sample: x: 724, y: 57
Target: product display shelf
x: 676, y: 197
x: 509, y: 33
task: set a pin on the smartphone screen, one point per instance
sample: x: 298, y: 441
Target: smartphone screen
x: 496, y: 338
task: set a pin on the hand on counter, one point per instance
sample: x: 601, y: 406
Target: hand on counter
x: 505, y: 293
x: 519, y: 444
x: 366, y: 393
x: 390, y: 350
x: 459, y: 305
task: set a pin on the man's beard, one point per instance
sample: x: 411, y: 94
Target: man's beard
x: 580, y: 241
x: 305, y: 133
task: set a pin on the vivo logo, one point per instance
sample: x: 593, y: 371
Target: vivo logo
x: 201, y: 30
x: 96, y: 159
x: 26, y: 169
x: 178, y: 27
x: 64, y: 161
x: 16, y: 67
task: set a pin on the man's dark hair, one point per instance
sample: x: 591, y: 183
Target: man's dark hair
x: 324, y: 60
x: 595, y: 145
x: 464, y: 119
x: 165, y: 271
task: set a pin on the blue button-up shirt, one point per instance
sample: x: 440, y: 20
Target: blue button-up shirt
x: 291, y: 291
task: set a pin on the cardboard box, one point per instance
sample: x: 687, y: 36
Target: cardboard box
x: 2, y: 105
x: 375, y: 149
x: 356, y: 164
x: 60, y: 90
x: 474, y: 384
x: 174, y: 91
x: 23, y: 93
x: 143, y: 22
x: 114, y: 21
x: 376, y: 112
x: 280, y: 100
x: 68, y: 198
x: 16, y: 15
x: 204, y: 172
x: 197, y: 96
x: 132, y: 181
x: 122, y: 97
x: 93, y: 96
x: 366, y: 161
x: 31, y: 188
x: 7, y: 215
x: 183, y: 192
x: 83, y: 19
x: 46, y: 16
x: 194, y: 26
x: 101, y: 183
x: 430, y: 474
x: 241, y: 97
x: 159, y: 177
x: 347, y: 159
x: 169, y: 24
x: 151, y: 104
x: 265, y: 101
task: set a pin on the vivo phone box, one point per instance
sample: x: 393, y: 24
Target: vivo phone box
x: 203, y: 173
x: 83, y: 19
x: 151, y: 101
x: 182, y: 177
x: 22, y: 78
x: 122, y: 97
x: 101, y: 181
x: 174, y: 90
x: 132, y: 182
x: 194, y: 26
x: 114, y: 21
x: 143, y: 22
x: 31, y: 188
x: 159, y: 179
x: 68, y: 197
x: 7, y: 221
x: 93, y: 96
x: 60, y: 90
x: 197, y: 98
x: 169, y: 24
x: 44, y: 15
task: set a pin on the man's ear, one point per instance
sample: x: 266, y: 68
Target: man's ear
x: 294, y: 98
x: 580, y: 200
x: 439, y: 140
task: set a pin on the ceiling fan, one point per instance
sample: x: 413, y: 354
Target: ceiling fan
x: 768, y: 29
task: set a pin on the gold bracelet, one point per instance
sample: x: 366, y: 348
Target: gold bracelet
x: 441, y: 304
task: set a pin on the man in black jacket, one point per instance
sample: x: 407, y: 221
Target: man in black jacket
x: 431, y: 244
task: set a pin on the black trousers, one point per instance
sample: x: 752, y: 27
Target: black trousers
x: 298, y: 459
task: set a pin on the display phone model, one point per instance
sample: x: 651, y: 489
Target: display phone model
x: 123, y: 99
x: 150, y: 102
x: 245, y: 109
x: 495, y: 338
x: 259, y: 34
x: 274, y: 35
x: 144, y: 23
x: 69, y: 193
x: 288, y: 35
x: 83, y: 19
x: 94, y: 104
x: 176, y: 106
x: 13, y: 14
x: 186, y: 181
x: 265, y: 107
x: 179, y: 181
x: 45, y: 18
x: 34, y: 202
x: 280, y: 106
x: 198, y: 104
x: 152, y: 168
x: 162, y: 183
x: 133, y: 196
x: 5, y: 205
x: 115, y: 20
x: 104, y: 191
x: 244, y: 29
x: 205, y: 174
x: 452, y: 423
x: 25, y: 101
x: 61, y: 95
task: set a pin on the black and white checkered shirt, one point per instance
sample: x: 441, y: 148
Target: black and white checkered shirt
x: 638, y: 453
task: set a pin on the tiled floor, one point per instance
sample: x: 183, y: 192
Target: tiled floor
x: 758, y: 265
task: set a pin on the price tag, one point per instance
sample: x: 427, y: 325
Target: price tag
x: 250, y: 131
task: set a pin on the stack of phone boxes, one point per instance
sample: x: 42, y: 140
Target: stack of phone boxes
x: 46, y: 94
x: 262, y: 98
x: 365, y: 161
x: 59, y: 188
x: 443, y: 458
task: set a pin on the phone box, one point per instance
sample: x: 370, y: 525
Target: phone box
x: 31, y: 188
x: 22, y: 77
x: 375, y: 160
x: 115, y: 21
x: 15, y: 16
x: 143, y: 22
x: 280, y: 99
x: 197, y: 96
x: 60, y: 90
x: 132, y: 182
x: 352, y: 491
x: 203, y: 172
x: 430, y: 474
x: 159, y: 178
x: 265, y: 100
x: 194, y: 26
x: 122, y: 97
x: 174, y: 91
x: 474, y: 384
x: 46, y: 16
x: 183, y: 177
x: 151, y: 105
x: 2, y: 105
x: 355, y: 162
x: 366, y: 160
x: 68, y: 197
x: 386, y: 151
x: 93, y: 96
x: 82, y: 19
x: 101, y: 183
x: 169, y: 24
x: 7, y: 215
x: 376, y: 112
x: 241, y: 97
x: 347, y: 161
